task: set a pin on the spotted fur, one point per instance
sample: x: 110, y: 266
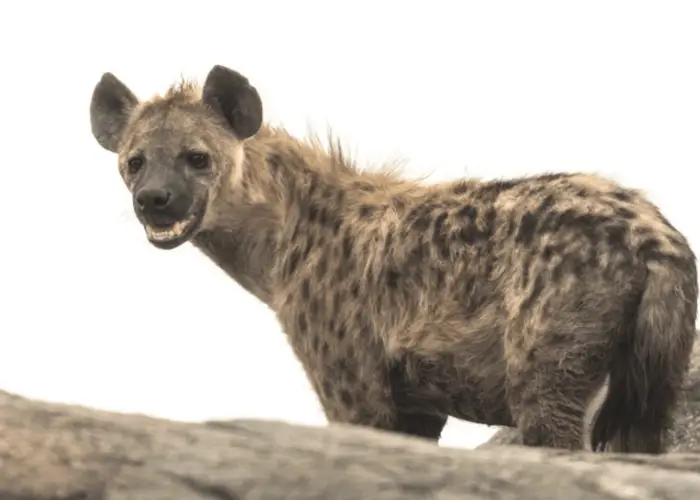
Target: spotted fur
x: 502, y: 302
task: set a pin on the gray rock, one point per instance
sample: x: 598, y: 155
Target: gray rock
x: 61, y: 452
x: 685, y: 436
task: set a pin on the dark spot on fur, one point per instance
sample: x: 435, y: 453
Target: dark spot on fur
x: 327, y: 193
x: 489, y: 222
x: 314, y: 308
x: 460, y: 188
x: 323, y: 217
x: 546, y: 204
x: 531, y: 220
x: 315, y: 344
x: 547, y: 252
x: 312, y: 189
x: 366, y: 211
x: 355, y: 290
x: 489, y: 192
x: 305, y: 289
x: 470, y: 233
x: 552, y: 249
x: 350, y: 351
x: 468, y: 211
x: 617, y: 235
x: 439, y: 278
x: 622, y: 196
x: 340, y: 333
x: 312, y: 212
x: 321, y: 267
x: 327, y: 388
x: 364, y: 186
x: 625, y: 213
x: 347, y: 246
x: 525, y: 276
x: 346, y: 398
x: 274, y: 161
x: 418, y: 218
x: 302, y: 323
x: 593, y: 256
x: 292, y: 263
x: 444, y: 250
x: 650, y: 250
x: 392, y: 278
x: 438, y: 226
x: 440, y: 236
x: 586, y: 225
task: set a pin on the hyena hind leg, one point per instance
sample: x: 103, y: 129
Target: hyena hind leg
x: 551, y: 398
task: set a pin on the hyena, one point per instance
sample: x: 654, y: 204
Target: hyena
x: 502, y: 302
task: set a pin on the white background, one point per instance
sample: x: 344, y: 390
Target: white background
x: 92, y: 314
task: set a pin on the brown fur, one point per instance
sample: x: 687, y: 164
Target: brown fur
x: 499, y: 302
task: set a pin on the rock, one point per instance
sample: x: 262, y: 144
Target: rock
x: 685, y: 436
x: 61, y: 452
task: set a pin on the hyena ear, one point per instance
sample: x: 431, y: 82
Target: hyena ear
x: 112, y: 103
x: 229, y: 93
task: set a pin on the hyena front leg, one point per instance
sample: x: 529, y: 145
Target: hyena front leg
x: 550, y: 386
x: 423, y: 425
x: 360, y: 388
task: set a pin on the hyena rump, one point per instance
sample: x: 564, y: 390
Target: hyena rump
x: 506, y: 302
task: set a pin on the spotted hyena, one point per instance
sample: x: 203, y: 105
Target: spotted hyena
x: 504, y: 302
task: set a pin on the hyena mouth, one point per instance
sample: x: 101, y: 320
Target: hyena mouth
x: 170, y: 233
x: 170, y: 237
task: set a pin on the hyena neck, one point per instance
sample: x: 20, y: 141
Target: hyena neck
x: 279, y: 179
x: 244, y: 248
x: 286, y: 191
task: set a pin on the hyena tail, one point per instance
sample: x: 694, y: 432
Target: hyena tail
x: 651, y: 359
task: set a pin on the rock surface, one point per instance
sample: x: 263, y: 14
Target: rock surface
x: 61, y: 452
x: 686, y: 435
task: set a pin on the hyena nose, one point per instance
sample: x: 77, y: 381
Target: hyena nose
x: 149, y: 199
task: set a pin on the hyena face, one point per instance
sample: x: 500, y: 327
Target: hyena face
x: 174, y: 150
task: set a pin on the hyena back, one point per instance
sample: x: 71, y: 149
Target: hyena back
x: 505, y: 302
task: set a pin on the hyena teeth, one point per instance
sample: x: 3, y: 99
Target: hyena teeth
x: 174, y: 231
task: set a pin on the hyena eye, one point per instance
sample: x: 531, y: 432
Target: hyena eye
x: 134, y: 164
x: 198, y: 160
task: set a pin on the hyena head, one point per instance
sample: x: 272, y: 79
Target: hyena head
x: 176, y: 152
